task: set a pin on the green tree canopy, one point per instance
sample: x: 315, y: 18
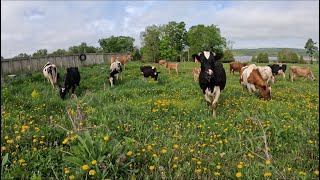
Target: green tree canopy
x: 40, y: 53
x: 287, y: 56
x: 117, y: 44
x: 262, y: 58
x: 228, y: 57
x: 150, y: 41
x: 59, y: 52
x: 82, y: 48
x: 202, y: 37
x: 22, y: 55
x: 311, y: 48
x: 173, y: 40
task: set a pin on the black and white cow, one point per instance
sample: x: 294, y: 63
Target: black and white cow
x: 149, y: 71
x: 278, y: 69
x: 71, y: 79
x: 50, y: 73
x: 212, y: 77
x: 115, y: 71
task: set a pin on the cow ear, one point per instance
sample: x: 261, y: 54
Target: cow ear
x: 196, y: 57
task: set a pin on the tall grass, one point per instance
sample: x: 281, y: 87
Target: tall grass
x: 148, y: 129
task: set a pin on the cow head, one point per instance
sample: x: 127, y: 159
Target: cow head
x: 206, y: 58
x: 265, y: 92
x: 63, y: 92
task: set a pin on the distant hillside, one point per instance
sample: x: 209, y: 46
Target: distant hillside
x: 270, y: 51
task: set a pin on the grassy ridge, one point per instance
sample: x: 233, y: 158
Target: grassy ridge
x: 150, y: 130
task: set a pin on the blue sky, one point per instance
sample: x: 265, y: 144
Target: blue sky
x: 27, y: 26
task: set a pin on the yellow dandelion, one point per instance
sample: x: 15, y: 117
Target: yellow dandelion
x: 92, y: 172
x: 176, y: 146
x: 267, y: 174
x: 9, y: 141
x: 106, y: 138
x: 65, y: 141
x: 268, y: 162
x: 71, y: 177
x: 129, y: 153
x: 143, y: 150
x: 34, y: 94
x: 34, y: 140
x: 3, y: 148
x: 316, y: 172
x: 154, y: 155
x: 151, y: 168
x: 18, y: 137
x: 94, y: 162
x: 302, y: 173
x: 175, y: 158
x: 197, y: 171
x: 191, y: 150
x: 85, y: 167
x: 238, y: 175
x: 66, y: 171
x: 216, y: 173
x: 199, y: 162
x: 149, y: 148
x: 174, y: 166
x: 289, y: 169
x: 239, y: 166
x: 6, y: 137
x: 21, y: 161
x: 218, y: 167
x: 163, y: 151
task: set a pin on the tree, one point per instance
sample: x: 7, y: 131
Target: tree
x: 202, y: 38
x: 136, y: 54
x: 228, y: 57
x: 262, y: 58
x: 82, y: 48
x: 173, y: 40
x: 230, y: 45
x: 40, y: 53
x: 59, y: 52
x: 117, y: 44
x: 311, y: 48
x: 287, y: 56
x: 22, y: 55
x: 301, y: 60
x: 150, y: 41
x: 253, y: 59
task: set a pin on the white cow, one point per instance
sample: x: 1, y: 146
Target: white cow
x: 115, y: 71
x: 50, y: 73
x: 266, y: 73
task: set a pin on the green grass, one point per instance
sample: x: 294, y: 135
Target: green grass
x: 140, y: 124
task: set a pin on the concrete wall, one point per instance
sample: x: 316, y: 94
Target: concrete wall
x: 25, y: 65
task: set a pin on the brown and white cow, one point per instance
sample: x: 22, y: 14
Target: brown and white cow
x: 196, y: 72
x: 266, y: 73
x: 236, y: 66
x: 173, y: 66
x: 297, y: 71
x: 251, y: 79
x: 123, y: 59
x: 162, y: 62
x: 50, y: 73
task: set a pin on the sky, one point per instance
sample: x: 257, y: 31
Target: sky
x: 27, y: 26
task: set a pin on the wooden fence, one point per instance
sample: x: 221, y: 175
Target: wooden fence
x: 26, y: 65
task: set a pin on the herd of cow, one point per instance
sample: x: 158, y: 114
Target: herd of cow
x: 211, y: 75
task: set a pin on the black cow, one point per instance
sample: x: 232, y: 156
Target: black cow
x: 278, y: 69
x: 71, y: 79
x: 212, y: 78
x: 149, y: 71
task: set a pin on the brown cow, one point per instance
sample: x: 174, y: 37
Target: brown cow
x: 173, y: 66
x: 236, y: 66
x: 162, y: 62
x: 196, y: 72
x: 297, y: 71
x: 252, y: 80
x: 121, y: 58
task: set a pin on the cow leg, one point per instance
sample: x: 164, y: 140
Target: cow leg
x: 284, y: 75
x: 73, y: 88
x: 207, y: 97
x: 111, y: 81
x: 216, y: 95
x: 177, y: 71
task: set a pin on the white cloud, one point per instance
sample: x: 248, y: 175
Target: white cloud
x: 27, y: 26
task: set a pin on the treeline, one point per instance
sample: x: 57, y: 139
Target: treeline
x: 172, y: 42
x: 284, y: 56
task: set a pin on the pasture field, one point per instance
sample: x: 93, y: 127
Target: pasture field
x: 142, y: 129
